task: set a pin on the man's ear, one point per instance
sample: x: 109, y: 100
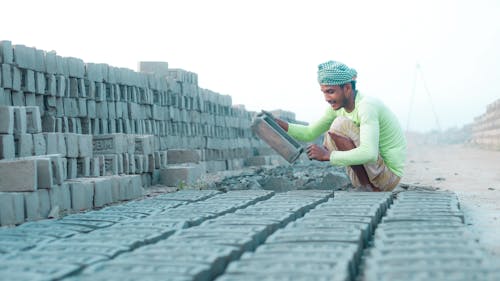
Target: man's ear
x: 347, y: 87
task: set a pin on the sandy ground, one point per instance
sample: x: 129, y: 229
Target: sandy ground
x: 473, y: 173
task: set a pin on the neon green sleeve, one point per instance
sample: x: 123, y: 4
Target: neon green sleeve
x: 367, y: 151
x: 311, y: 132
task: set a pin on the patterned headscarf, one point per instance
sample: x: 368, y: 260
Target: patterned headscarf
x: 335, y: 73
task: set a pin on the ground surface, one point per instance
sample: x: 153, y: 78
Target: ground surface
x: 473, y: 173
x: 294, y: 222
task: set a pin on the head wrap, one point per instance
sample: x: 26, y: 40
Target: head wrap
x: 335, y: 73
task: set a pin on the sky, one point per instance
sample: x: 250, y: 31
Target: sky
x: 434, y: 63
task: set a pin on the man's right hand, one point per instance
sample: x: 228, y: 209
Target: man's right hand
x: 281, y: 123
x: 317, y: 152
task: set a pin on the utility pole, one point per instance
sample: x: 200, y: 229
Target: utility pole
x: 418, y: 70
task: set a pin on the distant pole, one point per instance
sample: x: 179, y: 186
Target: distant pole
x: 418, y: 70
x: 430, y: 100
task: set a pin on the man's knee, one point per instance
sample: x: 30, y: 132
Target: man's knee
x: 341, y: 125
x: 342, y: 143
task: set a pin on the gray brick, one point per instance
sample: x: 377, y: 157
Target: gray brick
x: 70, y: 107
x: 18, y: 175
x: 6, y: 120
x: 61, y: 85
x: 64, y: 162
x: 103, y: 192
x: 196, y: 271
x: 94, y: 72
x: 24, y: 56
x: 111, y: 164
x: 33, y: 120
x: 44, y: 202
x: 65, y: 196
x: 72, y: 168
x: 59, y: 109
x: 16, y: 78
x: 57, y: 168
x: 139, y: 164
x: 76, y: 248
x: 94, y: 167
x: 154, y: 67
x: 85, y: 145
x: 40, y: 83
x: 29, y: 99
x: 73, y: 88
x: 83, y: 167
x: 18, y: 98
x: 130, y: 187
x: 144, y: 144
x: 50, y: 62
x: 6, y: 52
x: 11, y: 208
x: 71, y: 145
x: 100, y: 93
x: 5, y: 96
x: 55, y: 258
x: 22, y: 270
x: 110, y: 144
x: 76, y: 67
x: 51, y: 85
x: 175, y: 174
x: 62, y: 65
x: 177, y: 156
x: 20, y: 123
x: 29, y: 81
x: 82, y: 92
x: 6, y: 76
x: 82, y: 195
x: 31, y: 205
x: 297, y: 268
x: 40, y: 60
x: 44, y: 173
x: 39, y: 145
x: 7, y: 147
x: 91, y: 109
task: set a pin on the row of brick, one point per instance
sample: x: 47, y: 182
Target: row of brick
x: 70, y: 196
x: 486, y: 127
x: 423, y: 237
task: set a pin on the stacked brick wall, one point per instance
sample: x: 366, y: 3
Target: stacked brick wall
x: 486, y: 128
x: 76, y: 135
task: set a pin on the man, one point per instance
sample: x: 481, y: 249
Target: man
x: 362, y: 133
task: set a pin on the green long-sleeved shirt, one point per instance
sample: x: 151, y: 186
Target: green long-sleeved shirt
x: 380, y: 132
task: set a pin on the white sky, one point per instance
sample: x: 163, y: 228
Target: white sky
x: 265, y: 53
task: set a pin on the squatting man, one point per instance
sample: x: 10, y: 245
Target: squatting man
x: 361, y: 132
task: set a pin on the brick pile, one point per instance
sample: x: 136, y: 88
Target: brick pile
x: 76, y: 135
x: 486, y: 127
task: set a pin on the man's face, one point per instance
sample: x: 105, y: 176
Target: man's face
x: 335, y: 96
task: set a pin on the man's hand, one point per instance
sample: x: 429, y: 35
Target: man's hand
x: 318, y: 153
x: 281, y: 123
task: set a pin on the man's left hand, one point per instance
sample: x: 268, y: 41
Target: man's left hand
x: 318, y: 153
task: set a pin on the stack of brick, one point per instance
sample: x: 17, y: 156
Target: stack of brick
x: 486, y: 128
x: 99, y: 134
x: 46, y: 149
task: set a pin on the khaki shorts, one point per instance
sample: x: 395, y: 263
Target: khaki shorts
x: 378, y: 173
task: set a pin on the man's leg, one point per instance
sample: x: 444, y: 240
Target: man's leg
x: 378, y: 174
x: 344, y: 144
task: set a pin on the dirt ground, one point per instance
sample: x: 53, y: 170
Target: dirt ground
x: 473, y: 173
